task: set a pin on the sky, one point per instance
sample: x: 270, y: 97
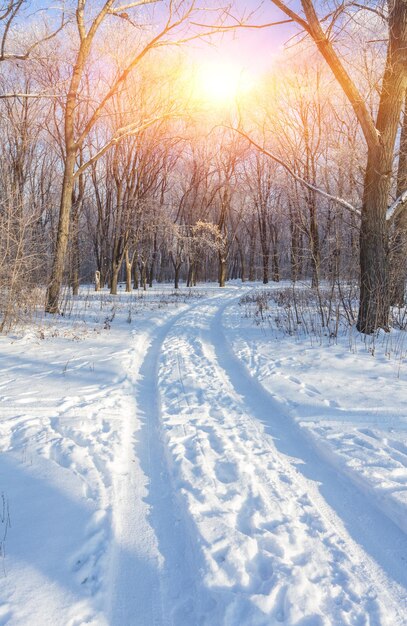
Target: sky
x: 252, y: 49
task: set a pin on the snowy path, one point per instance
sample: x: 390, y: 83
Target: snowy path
x: 157, y: 589
x: 154, y: 482
x: 284, y: 537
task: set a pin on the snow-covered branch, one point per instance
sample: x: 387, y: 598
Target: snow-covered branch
x: 299, y: 179
x: 397, y: 207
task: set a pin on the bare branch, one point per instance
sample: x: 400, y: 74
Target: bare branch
x: 4, y: 56
x: 122, y: 133
x: 120, y: 80
x: 132, y: 5
x: 312, y: 26
x: 3, y: 96
x: 241, y: 25
x: 301, y: 180
x: 374, y: 10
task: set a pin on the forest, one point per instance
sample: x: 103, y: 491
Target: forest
x: 134, y: 149
x: 203, y: 320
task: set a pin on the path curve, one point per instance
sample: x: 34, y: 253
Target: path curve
x: 281, y: 535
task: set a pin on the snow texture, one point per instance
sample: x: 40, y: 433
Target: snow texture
x: 166, y: 462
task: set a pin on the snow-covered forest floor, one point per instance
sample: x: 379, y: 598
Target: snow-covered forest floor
x: 172, y: 458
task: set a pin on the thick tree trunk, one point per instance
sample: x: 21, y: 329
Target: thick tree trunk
x: 57, y: 273
x: 374, y: 308
x: 222, y: 270
x: 115, y: 275
x: 374, y: 292
x: 97, y: 280
x: 191, y: 275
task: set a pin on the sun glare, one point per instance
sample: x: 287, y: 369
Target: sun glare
x: 219, y: 84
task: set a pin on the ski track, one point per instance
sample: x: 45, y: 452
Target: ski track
x: 189, y: 496
x: 99, y: 442
x: 275, y: 522
x: 147, y: 517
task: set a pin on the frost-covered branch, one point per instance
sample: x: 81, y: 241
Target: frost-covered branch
x: 122, y: 133
x: 301, y: 180
x: 11, y: 14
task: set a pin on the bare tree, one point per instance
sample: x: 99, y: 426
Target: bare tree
x: 398, y: 254
x: 77, y: 127
x: 12, y: 44
x: 380, y: 136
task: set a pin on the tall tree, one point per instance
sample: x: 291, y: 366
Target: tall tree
x: 399, y: 244
x: 380, y: 135
x: 78, y: 126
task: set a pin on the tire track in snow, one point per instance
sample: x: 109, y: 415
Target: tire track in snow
x: 273, y: 550
x: 152, y: 569
x: 334, y: 493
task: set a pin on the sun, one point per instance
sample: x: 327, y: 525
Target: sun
x: 218, y: 83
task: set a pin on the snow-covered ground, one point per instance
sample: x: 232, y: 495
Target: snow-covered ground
x: 165, y: 461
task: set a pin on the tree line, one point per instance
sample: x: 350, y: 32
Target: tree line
x: 111, y: 170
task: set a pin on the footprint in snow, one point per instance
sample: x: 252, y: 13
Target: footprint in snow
x: 226, y: 472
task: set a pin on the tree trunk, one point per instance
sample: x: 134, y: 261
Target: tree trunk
x: 265, y: 259
x: 314, y: 241
x: 176, y: 276
x: 153, y: 262
x: 57, y: 273
x: 115, y: 276
x: 191, y: 275
x: 275, y: 263
x: 398, y: 258
x: 222, y: 271
x: 242, y: 265
x: 75, y: 256
x: 399, y: 261
x: 151, y: 274
x: 233, y: 271
x: 143, y: 275
x: 374, y: 306
x: 374, y: 303
x: 97, y: 280
x: 252, y: 276
x: 135, y: 277
x: 128, y: 271
x: 275, y: 266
